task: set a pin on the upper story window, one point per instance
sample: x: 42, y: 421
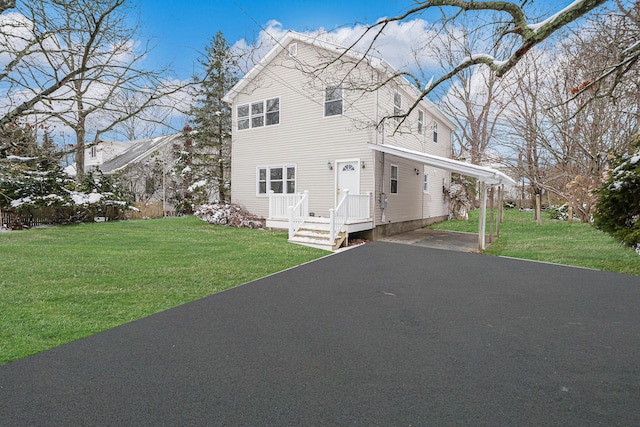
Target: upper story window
x: 435, y: 132
x: 397, y: 105
x: 293, y: 49
x: 394, y: 179
x: 420, y: 122
x: 332, y: 101
x: 258, y: 114
x: 94, y: 152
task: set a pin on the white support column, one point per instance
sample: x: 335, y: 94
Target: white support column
x: 482, y: 222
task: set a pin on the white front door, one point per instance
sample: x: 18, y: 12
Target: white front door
x: 348, y: 178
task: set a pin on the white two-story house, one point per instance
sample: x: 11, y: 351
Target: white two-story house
x: 311, y: 153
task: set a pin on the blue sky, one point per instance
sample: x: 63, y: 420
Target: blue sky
x: 179, y: 30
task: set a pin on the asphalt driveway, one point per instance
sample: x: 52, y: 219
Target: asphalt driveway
x: 382, y: 334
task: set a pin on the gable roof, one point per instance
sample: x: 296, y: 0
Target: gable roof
x: 139, y: 150
x: 377, y: 63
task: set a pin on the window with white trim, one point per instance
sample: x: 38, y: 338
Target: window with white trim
x: 420, y: 122
x: 242, y: 113
x: 279, y: 179
x: 425, y: 181
x: 393, y: 185
x: 258, y: 114
x: 293, y: 49
x: 397, y: 105
x: 332, y: 101
x: 435, y: 131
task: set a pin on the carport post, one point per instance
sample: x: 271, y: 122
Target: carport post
x: 483, y: 215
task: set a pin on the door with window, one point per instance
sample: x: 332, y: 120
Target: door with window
x: 348, y: 178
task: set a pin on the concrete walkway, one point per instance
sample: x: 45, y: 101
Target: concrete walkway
x: 438, y: 239
x: 382, y: 334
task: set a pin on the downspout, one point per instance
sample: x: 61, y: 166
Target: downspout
x: 381, y: 199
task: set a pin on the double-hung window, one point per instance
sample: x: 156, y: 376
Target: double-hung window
x: 258, y: 114
x: 397, y: 105
x: 435, y: 132
x: 279, y: 179
x: 420, y: 122
x: 425, y: 181
x: 243, y: 116
x: 394, y: 179
x: 332, y: 101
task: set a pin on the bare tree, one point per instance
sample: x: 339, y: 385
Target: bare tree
x: 70, y: 60
x: 508, y: 22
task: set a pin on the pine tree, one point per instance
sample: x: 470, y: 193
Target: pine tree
x: 211, y: 119
x: 618, y: 207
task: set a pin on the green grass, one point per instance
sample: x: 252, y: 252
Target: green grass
x: 63, y: 283
x: 562, y: 242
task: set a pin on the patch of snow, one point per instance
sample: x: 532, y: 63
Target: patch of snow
x: 535, y: 27
x: 197, y: 184
x: 84, y: 198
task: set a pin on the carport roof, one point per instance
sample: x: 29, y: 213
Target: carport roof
x: 482, y: 173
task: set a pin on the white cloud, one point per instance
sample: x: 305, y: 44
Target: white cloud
x: 405, y: 45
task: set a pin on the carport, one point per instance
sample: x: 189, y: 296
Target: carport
x: 486, y: 176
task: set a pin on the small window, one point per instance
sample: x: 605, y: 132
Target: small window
x: 257, y: 114
x: 94, y: 152
x: 397, y: 105
x: 291, y: 180
x: 435, y: 132
x: 243, y: 116
x: 394, y: 179
x: 420, y: 122
x: 425, y: 181
x: 262, y: 181
x: 333, y: 101
x: 293, y: 49
x: 273, y: 111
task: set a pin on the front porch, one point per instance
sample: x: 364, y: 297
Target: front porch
x: 329, y: 231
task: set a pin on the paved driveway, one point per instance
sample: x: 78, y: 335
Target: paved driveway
x: 382, y: 334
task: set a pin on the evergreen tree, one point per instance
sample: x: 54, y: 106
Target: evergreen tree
x: 211, y: 119
x: 618, y: 208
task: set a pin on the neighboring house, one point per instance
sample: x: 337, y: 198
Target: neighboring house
x: 102, y: 152
x: 308, y: 156
x: 145, y: 169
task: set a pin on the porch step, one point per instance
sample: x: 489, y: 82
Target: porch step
x: 315, y: 233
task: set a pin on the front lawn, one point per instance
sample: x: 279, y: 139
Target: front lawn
x: 63, y: 283
x: 562, y: 242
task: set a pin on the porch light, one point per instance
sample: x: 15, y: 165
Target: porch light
x: 417, y: 171
x: 362, y: 165
x: 329, y: 165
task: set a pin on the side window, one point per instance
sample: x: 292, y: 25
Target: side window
x: 242, y: 113
x: 394, y: 179
x: 397, y: 105
x: 425, y: 181
x: 420, y: 122
x: 273, y: 111
x: 257, y: 117
x: 435, y: 132
x: 332, y: 101
x: 262, y: 180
